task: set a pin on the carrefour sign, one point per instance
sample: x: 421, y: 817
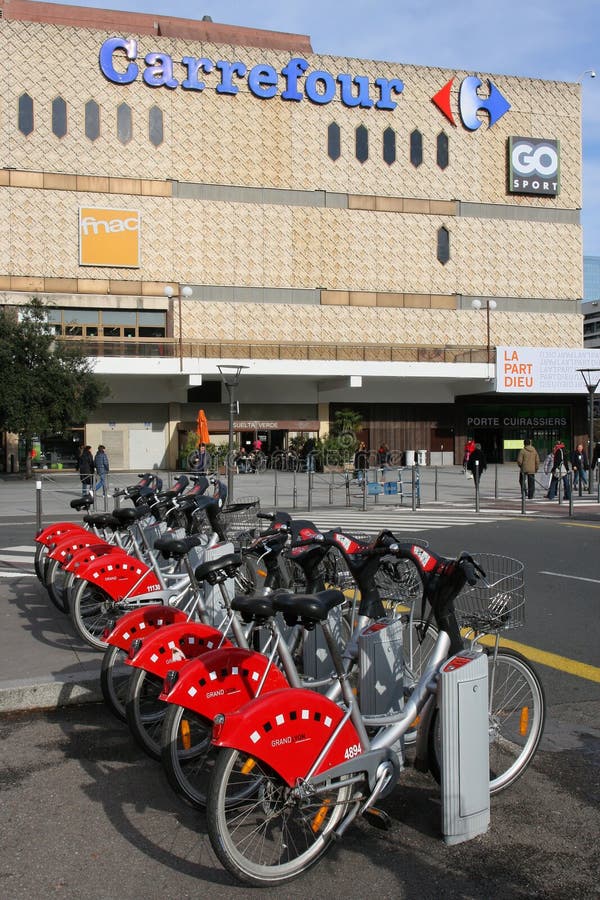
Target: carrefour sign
x: 120, y: 63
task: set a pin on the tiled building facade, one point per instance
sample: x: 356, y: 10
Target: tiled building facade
x: 328, y: 219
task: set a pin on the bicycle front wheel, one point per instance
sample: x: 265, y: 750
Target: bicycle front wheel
x: 144, y: 711
x: 56, y: 579
x: 187, y: 754
x: 517, y: 712
x: 114, y: 679
x: 92, y: 611
x: 260, y: 830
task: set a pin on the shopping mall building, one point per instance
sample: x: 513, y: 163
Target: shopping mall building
x: 398, y: 240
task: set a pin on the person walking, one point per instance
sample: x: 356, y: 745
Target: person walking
x: 560, y: 470
x: 477, y: 463
x: 85, y: 465
x: 102, y: 468
x: 383, y: 455
x: 308, y: 454
x: 360, y: 462
x: 528, y: 462
x: 469, y: 448
x: 579, y: 461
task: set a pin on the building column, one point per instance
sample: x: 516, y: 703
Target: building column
x: 172, y: 436
x: 323, y: 415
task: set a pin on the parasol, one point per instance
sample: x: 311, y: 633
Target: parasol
x: 202, y: 428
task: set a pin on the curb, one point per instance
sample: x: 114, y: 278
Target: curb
x: 28, y: 694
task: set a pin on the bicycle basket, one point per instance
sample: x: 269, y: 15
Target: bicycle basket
x: 497, y: 602
x: 240, y: 520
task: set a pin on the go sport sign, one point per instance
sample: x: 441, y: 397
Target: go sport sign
x: 533, y: 166
x: 118, y: 60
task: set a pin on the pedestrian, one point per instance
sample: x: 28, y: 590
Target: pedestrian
x: 308, y: 453
x: 469, y: 447
x: 383, y: 455
x: 528, y: 462
x: 560, y: 471
x: 201, y: 461
x: 86, y: 469
x: 102, y: 468
x: 360, y: 462
x: 477, y: 463
x: 579, y: 461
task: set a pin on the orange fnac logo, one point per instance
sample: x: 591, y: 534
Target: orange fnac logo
x: 109, y: 237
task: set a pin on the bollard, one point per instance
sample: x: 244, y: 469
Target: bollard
x: 348, y: 502
x: 414, y: 490
x: 418, y: 485
x: 435, y: 484
x: 364, y: 492
x: 496, y: 482
x: 294, y: 491
x: 275, y: 489
x: 117, y: 501
x: 38, y: 506
x: 331, y: 490
x: 310, y: 490
x: 476, y: 477
x: 570, y: 483
x: 523, y: 494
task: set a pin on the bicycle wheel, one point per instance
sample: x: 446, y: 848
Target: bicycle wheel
x: 41, y: 551
x: 92, y: 610
x: 517, y: 711
x: 261, y: 832
x: 144, y: 711
x: 114, y: 679
x: 187, y: 754
x: 56, y: 578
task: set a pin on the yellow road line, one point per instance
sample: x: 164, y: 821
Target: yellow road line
x: 552, y: 660
x: 579, y: 525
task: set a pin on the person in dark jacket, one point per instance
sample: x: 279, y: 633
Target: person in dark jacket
x: 579, y: 461
x: 360, y: 461
x: 201, y: 461
x: 102, y: 468
x: 476, y: 463
x: 560, y: 470
x: 86, y: 469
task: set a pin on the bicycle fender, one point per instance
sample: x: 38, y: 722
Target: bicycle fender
x: 223, y: 680
x: 88, y: 554
x: 287, y: 730
x: 141, y: 623
x: 71, y: 543
x: 50, y: 533
x: 120, y: 576
x: 172, y: 647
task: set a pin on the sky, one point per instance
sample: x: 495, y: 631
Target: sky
x: 558, y: 40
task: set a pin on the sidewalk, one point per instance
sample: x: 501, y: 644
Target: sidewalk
x: 36, y: 638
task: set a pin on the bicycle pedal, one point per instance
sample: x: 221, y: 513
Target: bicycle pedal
x: 378, y: 818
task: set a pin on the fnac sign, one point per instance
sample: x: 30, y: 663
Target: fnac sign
x: 109, y: 237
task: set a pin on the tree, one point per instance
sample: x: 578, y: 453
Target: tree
x: 47, y: 384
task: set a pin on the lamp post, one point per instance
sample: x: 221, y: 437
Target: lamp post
x: 489, y: 305
x: 592, y: 380
x: 230, y: 376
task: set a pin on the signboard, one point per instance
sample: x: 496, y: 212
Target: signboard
x: 543, y: 370
x: 533, y: 166
x: 109, y: 237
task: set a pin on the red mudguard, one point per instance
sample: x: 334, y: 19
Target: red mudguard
x: 142, y: 622
x: 287, y: 730
x: 89, y: 554
x: 172, y: 647
x: 71, y: 543
x: 50, y: 533
x: 120, y: 576
x: 223, y: 680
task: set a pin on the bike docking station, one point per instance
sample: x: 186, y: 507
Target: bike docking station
x: 465, y: 774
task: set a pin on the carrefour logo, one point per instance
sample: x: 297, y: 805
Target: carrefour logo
x: 533, y: 166
x: 470, y: 102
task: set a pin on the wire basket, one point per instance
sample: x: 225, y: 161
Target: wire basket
x: 496, y: 602
x: 240, y: 520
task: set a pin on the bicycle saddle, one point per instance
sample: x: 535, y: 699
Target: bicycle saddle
x: 82, y: 502
x: 128, y: 515
x: 255, y: 606
x: 177, y: 548
x: 216, y: 570
x: 313, y: 607
x: 102, y: 520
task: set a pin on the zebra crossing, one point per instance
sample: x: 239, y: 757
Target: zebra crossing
x: 16, y: 561
x: 397, y: 520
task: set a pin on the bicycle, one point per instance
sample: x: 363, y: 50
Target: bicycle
x: 295, y: 769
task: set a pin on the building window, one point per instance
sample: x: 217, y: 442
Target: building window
x: 124, y: 126
x: 389, y: 146
x: 416, y: 148
x: 25, y: 114
x: 155, y: 126
x: 443, y: 245
x: 333, y: 141
x: 107, y: 323
x: 362, y: 144
x: 92, y: 120
x: 59, y: 117
x: 442, y: 150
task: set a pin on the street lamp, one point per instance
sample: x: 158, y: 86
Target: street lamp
x: 230, y: 376
x: 489, y: 305
x: 185, y: 292
x: 592, y: 380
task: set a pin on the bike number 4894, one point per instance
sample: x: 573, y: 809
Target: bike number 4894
x: 352, y: 751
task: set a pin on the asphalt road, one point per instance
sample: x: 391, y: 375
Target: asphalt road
x: 85, y: 814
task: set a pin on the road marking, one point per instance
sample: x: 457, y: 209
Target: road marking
x: 550, y: 660
x: 574, y: 577
x: 16, y: 574
x: 579, y: 525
